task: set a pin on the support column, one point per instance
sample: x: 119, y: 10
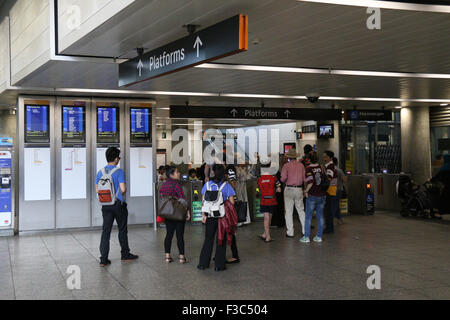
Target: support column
x: 416, y: 152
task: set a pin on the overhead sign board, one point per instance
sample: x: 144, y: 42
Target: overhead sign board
x: 222, y: 39
x: 368, y: 115
x: 209, y: 112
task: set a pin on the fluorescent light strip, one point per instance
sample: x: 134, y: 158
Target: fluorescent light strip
x: 261, y: 68
x: 267, y: 96
x: 205, y: 94
x: 324, y: 71
x: 386, y: 5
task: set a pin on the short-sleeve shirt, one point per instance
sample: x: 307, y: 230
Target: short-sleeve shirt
x: 314, y: 177
x: 331, y: 173
x: 340, y: 181
x: 118, y: 178
x: 227, y: 190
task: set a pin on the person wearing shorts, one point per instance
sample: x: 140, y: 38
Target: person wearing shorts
x: 268, y: 185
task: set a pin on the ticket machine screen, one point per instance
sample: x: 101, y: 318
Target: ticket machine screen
x: 37, y: 124
x: 108, y: 125
x: 140, y: 125
x: 73, y: 124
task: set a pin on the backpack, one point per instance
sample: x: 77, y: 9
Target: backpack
x: 106, y: 191
x: 324, y: 182
x: 267, y: 187
x: 213, y: 205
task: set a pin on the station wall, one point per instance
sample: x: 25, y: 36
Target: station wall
x: 30, y: 37
x: 4, y: 54
x: 92, y: 14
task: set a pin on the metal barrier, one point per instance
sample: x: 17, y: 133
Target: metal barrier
x: 384, y: 191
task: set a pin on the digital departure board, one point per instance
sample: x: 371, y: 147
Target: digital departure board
x: 74, y: 124
x: 140, y: 125
x: 37, y: 124
x: 108, y: 128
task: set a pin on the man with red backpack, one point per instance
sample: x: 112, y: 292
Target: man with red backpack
x: 268, y: 186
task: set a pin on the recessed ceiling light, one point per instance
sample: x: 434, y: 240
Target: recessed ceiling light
x: 385, y: 5
x: 362, y: 73
x: 444, y: 104
x: 398, y: 107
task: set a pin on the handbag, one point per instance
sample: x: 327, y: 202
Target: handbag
x: 170, y: 208
x: 241, y: 210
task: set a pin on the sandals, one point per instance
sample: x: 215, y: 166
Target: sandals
x: 267, y: 241
x: 261, y: 237
x: 183, y: 260
x: 169, y: 260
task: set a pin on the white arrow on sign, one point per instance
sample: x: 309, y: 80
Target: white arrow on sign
x: 198, y: 43
x: 234, y: 112
x: 287, y: 113
x: 140, y: 66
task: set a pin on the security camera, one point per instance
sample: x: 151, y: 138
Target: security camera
x: 313, y: 97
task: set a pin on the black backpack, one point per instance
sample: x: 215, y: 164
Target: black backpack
x: 324, y: 182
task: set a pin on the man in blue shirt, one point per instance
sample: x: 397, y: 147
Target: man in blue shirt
x: 117, y: 211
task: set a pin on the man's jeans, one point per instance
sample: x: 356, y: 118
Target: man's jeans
x: 312, y: 203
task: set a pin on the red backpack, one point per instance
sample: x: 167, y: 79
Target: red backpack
x: 267, y: 188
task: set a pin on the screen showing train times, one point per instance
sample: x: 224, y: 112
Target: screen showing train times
x: 140, y: 125
x: 37, y: 124
x: 74, y: 124
x: 108, y: 127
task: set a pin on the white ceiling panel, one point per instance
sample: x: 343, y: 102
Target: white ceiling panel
x: 281, y: 33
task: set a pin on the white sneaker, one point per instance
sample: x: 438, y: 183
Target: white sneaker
x: 317, y: 239
x: 304, y: 240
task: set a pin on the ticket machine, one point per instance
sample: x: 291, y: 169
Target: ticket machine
x: 109, y: 129
x: 140, y: 162
x: 196, y: 202
x: 36, y: 147
x: 6, y: 187
x: 73, y: 177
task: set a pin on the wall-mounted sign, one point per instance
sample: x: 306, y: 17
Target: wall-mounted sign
x: 368, y: 115
x: 222, y: 39
x: 204, y: 112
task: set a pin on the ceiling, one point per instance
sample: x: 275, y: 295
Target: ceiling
x: 281, y: 33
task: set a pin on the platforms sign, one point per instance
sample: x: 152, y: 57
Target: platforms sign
x: 222, y: 39
x: 211, y: 112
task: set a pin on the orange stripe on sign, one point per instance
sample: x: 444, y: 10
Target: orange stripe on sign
x: 39, y: 102
x: 243, y: 32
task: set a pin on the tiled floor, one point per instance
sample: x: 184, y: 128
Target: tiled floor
x: 413, y: 255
